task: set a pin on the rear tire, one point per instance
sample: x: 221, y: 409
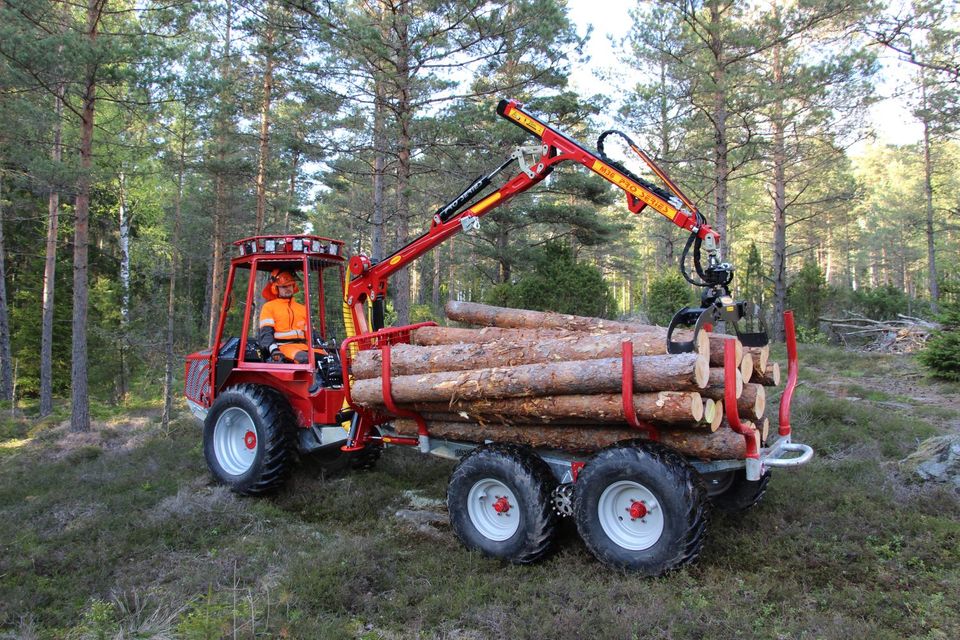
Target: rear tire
x: 248, y: 439
x: 640, y: 506
x: 499, y: 499
x: 740, y: 494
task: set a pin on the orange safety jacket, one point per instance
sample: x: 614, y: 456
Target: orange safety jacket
x: 287, y: 318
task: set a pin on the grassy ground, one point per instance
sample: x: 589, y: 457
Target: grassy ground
x: 119, y: 533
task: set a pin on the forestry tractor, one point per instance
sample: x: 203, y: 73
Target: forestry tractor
x: 638, y: 504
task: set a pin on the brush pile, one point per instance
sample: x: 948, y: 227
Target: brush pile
x: 554, y: 380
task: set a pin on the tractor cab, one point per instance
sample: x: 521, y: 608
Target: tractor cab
x: 312, y: 383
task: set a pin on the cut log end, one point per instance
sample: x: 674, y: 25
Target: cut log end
x: 746, y: 366
x: 770, y: 376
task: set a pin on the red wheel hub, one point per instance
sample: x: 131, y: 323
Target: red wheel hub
x: 501, y: 505
x: 250, y: 439
x: 637, y: 510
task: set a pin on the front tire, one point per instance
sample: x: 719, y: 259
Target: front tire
x: 640, y: 506
x: 499, y: 499
x: 248, y: 439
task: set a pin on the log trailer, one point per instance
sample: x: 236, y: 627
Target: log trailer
x: 638, y: 504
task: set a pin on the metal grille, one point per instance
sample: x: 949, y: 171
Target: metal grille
x: 198, y: 381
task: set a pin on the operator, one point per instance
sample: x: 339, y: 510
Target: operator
x: 283, y: 322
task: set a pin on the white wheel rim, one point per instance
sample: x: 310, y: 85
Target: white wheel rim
x: 493, y: 509
x: 235, y: 441
x: 617, y: 508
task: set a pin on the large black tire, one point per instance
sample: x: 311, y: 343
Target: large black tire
x: 248, y: 439
x: 499, y: 499
x: 740, y: 494
x: 640, y: 506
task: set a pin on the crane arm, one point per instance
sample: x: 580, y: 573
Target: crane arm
x: 369, y: 281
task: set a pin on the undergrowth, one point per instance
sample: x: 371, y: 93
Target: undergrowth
x: 120, y: 534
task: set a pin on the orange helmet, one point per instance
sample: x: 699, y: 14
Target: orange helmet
x: 283, y: 279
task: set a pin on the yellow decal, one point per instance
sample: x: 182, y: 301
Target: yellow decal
x: 485, y: 204
x: 395, y: 259
x: 634, y: 189
x: 730, y: 309
x: 527, y: 121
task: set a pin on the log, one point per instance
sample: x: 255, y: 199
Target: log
x: 718, y: 349
x: 770, y: 376
x: 505, y: 318
x: 746, y: 366
x: 681, y: 408
x: 413, y: 360
x: 718, y: 415
x: 679, y: 372
x: 645, y: 342
x: 764, y: 431
x: 712, y: 414
x: 489, y: 316
x: 715, y: 385
x: 753, y: 402
x: 761, y: 356
x: 721, y: 445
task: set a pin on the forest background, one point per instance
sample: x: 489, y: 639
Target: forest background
x: 138, y: 140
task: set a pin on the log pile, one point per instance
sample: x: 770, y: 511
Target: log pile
x: 554, y: 380
x: 906, y: 334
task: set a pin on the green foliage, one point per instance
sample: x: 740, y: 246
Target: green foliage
x: 806, y: 295
x: 422, y: 313
x: 668, y: 294
x: 881, y: 303
x: 557, y: 283
x: 941, y: 355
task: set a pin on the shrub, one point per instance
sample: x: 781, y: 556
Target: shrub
x: 806, y: 295
x: 557, y: 283
x: 668, y: 294
x: 942, y: 352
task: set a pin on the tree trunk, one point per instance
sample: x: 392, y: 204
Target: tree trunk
x: 724, y: 444
x: 770, y: 377
x: 264, y: 155
x: 50, y: 266
x: 292, y: 192
x: 779, y: 204
x: 379, y: 167
x: 928, y: 201
x: 122, y: 346
x: 405, y: 108
x: 220, y: 205
x: 414, y: 360
x: 721, y: 145
x: 80, y: 402
x: 753, y: 402
x: 6, y: 355
x: 681, y: 372
x: 172, y: 286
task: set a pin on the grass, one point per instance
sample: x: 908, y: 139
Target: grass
x: 120, y: 534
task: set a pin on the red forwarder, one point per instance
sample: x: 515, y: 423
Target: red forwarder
x: 638, y: 505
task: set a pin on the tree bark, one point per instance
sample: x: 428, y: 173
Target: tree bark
x: 716, y: 385
x: 721, y: 144
x: 264, y: 153
x: 680, y: 408
x: 779, y: 271
x: 80, y: 402
x: 506, y: 318
x: 404, y: 114
x: 172, y: 285
x: 50, y: 265
x: 723, y: 444
x: 928, y: 201
x: 412, y: 360
x: 681, y: 372
x: 753, y: 402
x: 6, y: 355
x: 770, y: 377
x: 220, y: 205
x: 122, y: 387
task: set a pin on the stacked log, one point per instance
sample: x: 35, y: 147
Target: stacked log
x: 555, y: 380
